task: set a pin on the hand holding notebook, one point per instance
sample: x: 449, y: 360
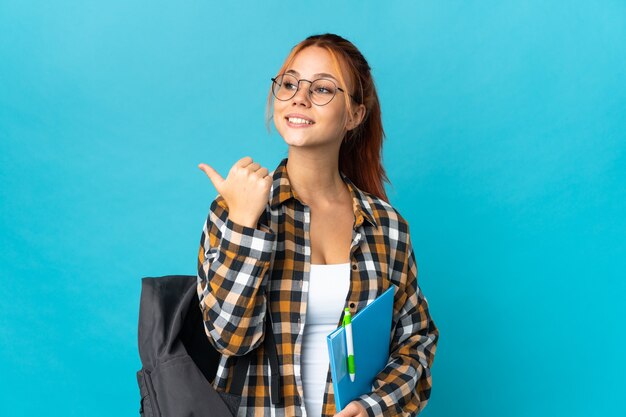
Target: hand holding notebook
x: 371, y: 333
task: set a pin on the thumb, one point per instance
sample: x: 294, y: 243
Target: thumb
x: 215, y: 178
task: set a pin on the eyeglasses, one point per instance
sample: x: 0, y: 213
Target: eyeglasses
x: 321, y: 91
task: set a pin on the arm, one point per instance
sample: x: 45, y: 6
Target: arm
x: 233, y: 267
x: 403, y: 387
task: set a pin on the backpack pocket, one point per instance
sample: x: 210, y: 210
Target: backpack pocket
x: 148, y: 407
x: 182, y: 390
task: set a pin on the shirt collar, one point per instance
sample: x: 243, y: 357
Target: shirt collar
x: 282, y: 191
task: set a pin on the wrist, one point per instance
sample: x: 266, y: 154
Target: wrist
x: 243, y: 220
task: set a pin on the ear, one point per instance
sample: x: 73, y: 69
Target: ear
x: 356, y: 117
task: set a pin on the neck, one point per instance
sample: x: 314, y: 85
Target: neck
x: 315, y: 178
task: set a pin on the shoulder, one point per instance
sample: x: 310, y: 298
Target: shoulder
x: 386, y: 215
x: 393, y: 240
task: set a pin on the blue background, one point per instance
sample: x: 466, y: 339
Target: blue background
x: 506, y: 148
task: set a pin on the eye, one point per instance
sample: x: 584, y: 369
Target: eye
x: 322, y: 90
x: 289, y: 85
x: 323, y: 87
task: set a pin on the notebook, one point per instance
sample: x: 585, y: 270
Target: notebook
x: 371, y: 333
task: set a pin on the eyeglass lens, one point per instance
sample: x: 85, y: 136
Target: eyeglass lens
x: 321, y: 91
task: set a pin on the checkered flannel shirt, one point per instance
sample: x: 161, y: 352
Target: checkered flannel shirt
x: 236, y: 278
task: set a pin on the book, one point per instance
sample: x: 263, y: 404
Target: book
x: 371, y: 335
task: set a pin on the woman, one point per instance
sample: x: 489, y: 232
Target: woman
x: 314, y: 236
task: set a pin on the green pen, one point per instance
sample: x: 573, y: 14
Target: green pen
x: 347, y: 324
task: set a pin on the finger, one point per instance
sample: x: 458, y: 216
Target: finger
x: 215, y: 178
x: 244, y: 162
x: 262, y: 173
x: 344, y: 413
x: 350, y: 410
x: 254, y: 166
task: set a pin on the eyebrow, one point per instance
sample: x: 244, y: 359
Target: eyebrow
x: 315, y: 76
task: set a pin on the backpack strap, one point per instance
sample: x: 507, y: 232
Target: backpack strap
x: 241, y: 370
x: 272, y: 353
x: 269, y: 344
x: 243, y: 362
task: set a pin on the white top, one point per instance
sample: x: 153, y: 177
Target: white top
x: 328, y: 289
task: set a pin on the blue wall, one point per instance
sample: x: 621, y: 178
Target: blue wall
x: 506, y: 147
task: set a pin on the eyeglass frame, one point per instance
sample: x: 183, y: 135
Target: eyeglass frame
x: 309, y: 90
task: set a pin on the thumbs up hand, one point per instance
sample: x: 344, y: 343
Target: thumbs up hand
x: 245, y: 190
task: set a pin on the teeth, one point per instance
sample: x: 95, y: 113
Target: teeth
x: 299, y: 121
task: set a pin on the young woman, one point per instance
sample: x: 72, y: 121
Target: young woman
x: 310, y: 238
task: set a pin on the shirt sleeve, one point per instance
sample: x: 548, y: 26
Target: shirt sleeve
x: 233, y: 267
x: 403, y: 387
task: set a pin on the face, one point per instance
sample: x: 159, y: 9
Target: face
x: 302, y: 123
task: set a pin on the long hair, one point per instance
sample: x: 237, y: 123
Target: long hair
x: 361, y: 147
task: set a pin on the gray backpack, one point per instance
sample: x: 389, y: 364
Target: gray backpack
x: 178, y: 361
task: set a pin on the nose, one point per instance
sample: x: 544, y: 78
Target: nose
x: 302, y: 95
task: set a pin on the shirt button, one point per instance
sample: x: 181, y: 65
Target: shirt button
x: 354, y: 266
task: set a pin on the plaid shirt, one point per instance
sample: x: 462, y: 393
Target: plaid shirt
x: 237, y: 277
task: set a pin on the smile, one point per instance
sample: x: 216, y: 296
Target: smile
x: 299, y: 121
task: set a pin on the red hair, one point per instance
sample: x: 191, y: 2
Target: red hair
x: 361, y: 148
